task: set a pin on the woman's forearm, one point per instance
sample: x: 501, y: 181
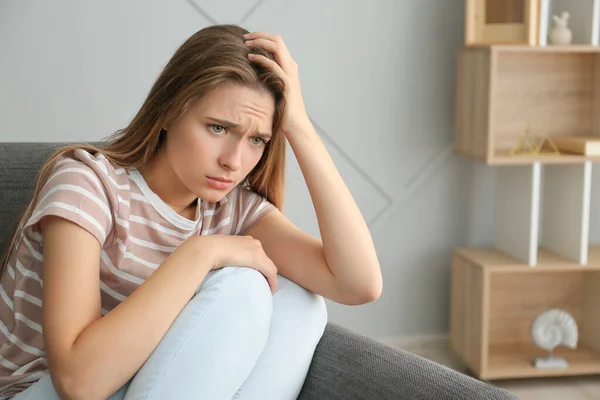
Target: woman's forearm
x: 112, y: 349
x: 347, y: 242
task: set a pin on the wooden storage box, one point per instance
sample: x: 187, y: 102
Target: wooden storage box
x: 502, y: 21
x: 502, y: 89
x: 495, y: 299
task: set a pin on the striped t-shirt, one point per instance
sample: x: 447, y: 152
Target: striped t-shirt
x: 136, y: 230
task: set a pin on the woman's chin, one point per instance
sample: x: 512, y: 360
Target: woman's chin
x: 213, y: 195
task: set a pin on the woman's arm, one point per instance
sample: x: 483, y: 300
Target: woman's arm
x: 91, y: 357
x: 347, y: 244
x: 347, y: 247
x: 343, y: 266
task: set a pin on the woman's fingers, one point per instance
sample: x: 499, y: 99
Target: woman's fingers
x: 269, y: 271
x: 272, y: 279
x: 270, y: 45
x: 260, y: 59
x: 275, y: 45
x: 259, y: 34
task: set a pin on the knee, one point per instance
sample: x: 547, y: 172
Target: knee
x: 249, y: 292
x: 309, y: 308
x: 316, y: 314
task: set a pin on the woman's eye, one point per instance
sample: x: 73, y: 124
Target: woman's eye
x: 216, y: 129
x: 258, y: 141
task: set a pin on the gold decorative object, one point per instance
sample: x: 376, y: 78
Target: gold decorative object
x: 539, y: 145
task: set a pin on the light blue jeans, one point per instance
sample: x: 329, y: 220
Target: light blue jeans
x: 233, y: 340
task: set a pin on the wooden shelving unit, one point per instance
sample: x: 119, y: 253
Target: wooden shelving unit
x: 504, y: 88
x: 541, y: 257
x: 495, y: 299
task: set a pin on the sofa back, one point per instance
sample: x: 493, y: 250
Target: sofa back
x: 19, y: 166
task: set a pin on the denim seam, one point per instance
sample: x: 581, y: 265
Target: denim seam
x: 186, y: 337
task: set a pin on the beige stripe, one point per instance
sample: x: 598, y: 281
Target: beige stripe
x: 107, y: 301
x: 111, y: 179
x: 29, y: 310
x: 38, y: 237
x: 5, y: 297
x: 29, y: 274
x: 11, y: 271
x: 6, y: 363
x: 117, y: 272
x: 25, y: 367
x: 36, y: 254
x: 26, y: 379
x: 242, y: 218
x: 104, y: 169
x: 10, y: 283
x: 147, y: 244
x: 93, y: 177
x: 158, y: 227
x: 111, y: 292
x: 147, y: 234
x: 221, y: 224
x: 122, y: 222
x: 129, y: 266
x: 137, y: 259
x: 233, y: 205
x: 15, y: 340
x: 28, y: 297
x: 33, y: 325
x: 139, y: 197
x: 124, y: 187
x: 79, y: 190
x: 68, y: 207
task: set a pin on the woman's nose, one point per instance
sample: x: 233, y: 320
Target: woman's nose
x: 231, y: 156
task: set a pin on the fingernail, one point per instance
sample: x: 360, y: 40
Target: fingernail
x: 249, y: 42
x: 246, y: 34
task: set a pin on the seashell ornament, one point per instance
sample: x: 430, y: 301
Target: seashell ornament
x: 550, y: 329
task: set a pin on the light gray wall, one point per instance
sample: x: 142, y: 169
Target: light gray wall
x: 379, y: 83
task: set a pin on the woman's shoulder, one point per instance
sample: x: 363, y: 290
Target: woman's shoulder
x: 98, y: 163
x: 243, y: 197
x: 85, y: 168
x: 84, y: 188
x: 82, y: 174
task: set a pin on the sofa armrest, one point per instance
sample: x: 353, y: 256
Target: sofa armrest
x: 347, y: 365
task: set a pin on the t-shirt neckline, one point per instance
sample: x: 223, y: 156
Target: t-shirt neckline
x: 163, y: 208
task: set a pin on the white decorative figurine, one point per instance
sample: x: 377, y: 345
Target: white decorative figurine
x: 550, y: 329
x: 560, y: 34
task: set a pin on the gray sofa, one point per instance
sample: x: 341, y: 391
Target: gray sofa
x: 345, y: 366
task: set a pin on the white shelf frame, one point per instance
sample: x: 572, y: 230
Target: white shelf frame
x: 543, y: 205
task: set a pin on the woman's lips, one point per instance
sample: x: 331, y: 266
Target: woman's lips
x: 219, y: 183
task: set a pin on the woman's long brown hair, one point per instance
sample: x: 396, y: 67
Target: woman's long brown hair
x: 212, y: 57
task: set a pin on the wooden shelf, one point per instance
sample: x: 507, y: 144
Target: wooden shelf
x: 555, y: 49
x: 496, y: 261
x: 495, y: 299
x: 509, y: 361
x: 501, y: 89
x: 505, y: 158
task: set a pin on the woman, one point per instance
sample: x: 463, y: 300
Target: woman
x: 164, y: 264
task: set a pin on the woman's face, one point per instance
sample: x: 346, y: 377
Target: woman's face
x: 220, y: 139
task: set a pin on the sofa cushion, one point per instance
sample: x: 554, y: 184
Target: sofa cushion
x: 19, y: 166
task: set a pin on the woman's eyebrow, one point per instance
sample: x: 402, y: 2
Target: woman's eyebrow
x: 228, y: 124
x: 224, y: 123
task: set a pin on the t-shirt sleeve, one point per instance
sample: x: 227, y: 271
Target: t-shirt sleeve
x: 250, y: 208
x: 76, y: 192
